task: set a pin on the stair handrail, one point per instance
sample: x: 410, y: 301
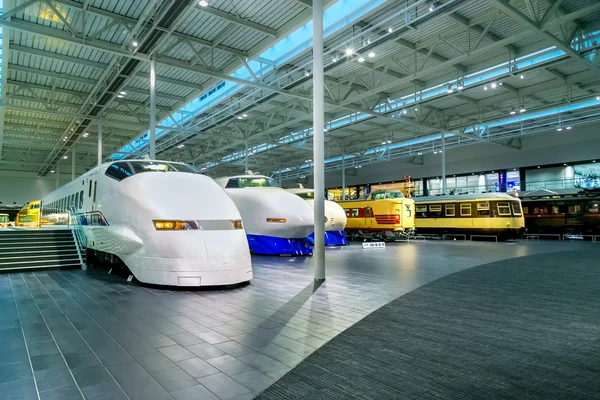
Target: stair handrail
x: 78, y: 234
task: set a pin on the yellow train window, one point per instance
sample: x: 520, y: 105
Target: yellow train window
x: 526, y: 210
x: 516, y: 207
x: 450, y: 210
x: 421, y: 209
x: 503, y: 209
x: 436, y: 208
x: 465, y: 209
x: 483, y: 206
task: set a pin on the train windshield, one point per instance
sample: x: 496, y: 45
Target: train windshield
x: 124, y: 169
x: 387, y: 195
x: 307, y: 195
x: 3, y: 218
x: 233, y: 183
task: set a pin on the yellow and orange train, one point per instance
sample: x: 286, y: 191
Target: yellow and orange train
x: 380, y: 215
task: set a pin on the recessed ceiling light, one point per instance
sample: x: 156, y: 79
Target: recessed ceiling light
x: 568, y: 127
x: 361, y: 59
x: 65, y: 157
x: 349, y: 51
x: 52, y: 171
x: 371, y: 54
x: 135, y: 43
x: 244, y: 115
x: 120, y: 96
x: 390, y: 30
x: 559, y: 129
x: 203, y: 3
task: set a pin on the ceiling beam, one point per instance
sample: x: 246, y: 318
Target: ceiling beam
x: 520, y: 18
x: 238, y: 21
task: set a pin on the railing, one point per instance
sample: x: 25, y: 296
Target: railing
x: 78, y: 235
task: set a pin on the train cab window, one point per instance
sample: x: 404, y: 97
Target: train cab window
x: 516, y: 208
x: 483, y: 208
x: 119, y: 171
x: 465, y: 210
x: 450, y: 210
x: 504, y: 209
x: 307, y: 195
x: 238, y: 183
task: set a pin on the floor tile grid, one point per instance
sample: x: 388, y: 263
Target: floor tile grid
x: 23, y: 333
x: 246, y: 368
x: 23, y: 277
x: 101, y: 329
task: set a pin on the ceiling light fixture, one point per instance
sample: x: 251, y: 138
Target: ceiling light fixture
x: 349, y: 51
x: 559, y: 129
x: 522, y: 109
x: 460, y: 86
x: 120, y: 96
x: 306, y: 73
x: 361, y: 59
x: 134, y: 43
x: 522, y: 76
x: 450, y: 90
x: 383, y: 142
x: 334, y: 59
x: 485, y: 87
x: 390, y: 30
x: 568, y: 128
x: 244, y: 115
x: 389, y: 141
x: 371, y: 54
x: 404, y: 112
x: 431, y: 8
x: 493, y: 85
x: 500, y: 83
x: 52, y: 171
x: 181, y: 146
x: 65, y: 157
x: 122, y: 92
x: 240, y: 117
x: 203, y: 3
x: 85, y: 134
x: 513, y: 111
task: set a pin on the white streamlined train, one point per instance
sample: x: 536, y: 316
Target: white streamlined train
x: 335, y: 217
x: 168, y: 224
x: 276, y: 221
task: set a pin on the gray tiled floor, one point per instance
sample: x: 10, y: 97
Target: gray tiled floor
x: 89, y: 334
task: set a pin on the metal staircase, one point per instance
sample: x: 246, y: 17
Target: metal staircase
x: 24, y: 249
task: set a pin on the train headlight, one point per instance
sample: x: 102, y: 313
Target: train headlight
x: 277, y: 220
x: 237, y: 224
x: 161, y: 225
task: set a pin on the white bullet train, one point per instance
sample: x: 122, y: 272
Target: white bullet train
x: 167, y: 223
x: 277, y: 222
x: 335, y: 217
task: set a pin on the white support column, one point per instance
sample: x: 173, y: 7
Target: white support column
x: 57, y: 176
x: 73, y: 155
x: 99, y: 140
x: 444, y: 184
x: 246, y: 157
x: 343, y: 175
x: 152, y: 144
x: 319, y: 140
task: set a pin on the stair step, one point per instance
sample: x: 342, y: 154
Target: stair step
x: 40, y: 267
x: 44, y: 253
x: 35, y: 241
x: 24, y: 247
x: 40, y: 263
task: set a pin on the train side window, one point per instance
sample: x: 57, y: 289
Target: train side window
x: 526, y: 210
x: 575, y: 209
x: 483, y: 208
x: 81, y: 200
x: 76, y: 203
x: 504, y: 209
x: 90, y: 190
x: 355, y: 212
x: 554, y: 210
x: 347, y: 211
x: 95, y: 186
x: 516, y: 208
x: 593, y: 207
x: 450, y: 210
x: 421, y: 211
x: 435, y: 210
x: 465, y: 210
